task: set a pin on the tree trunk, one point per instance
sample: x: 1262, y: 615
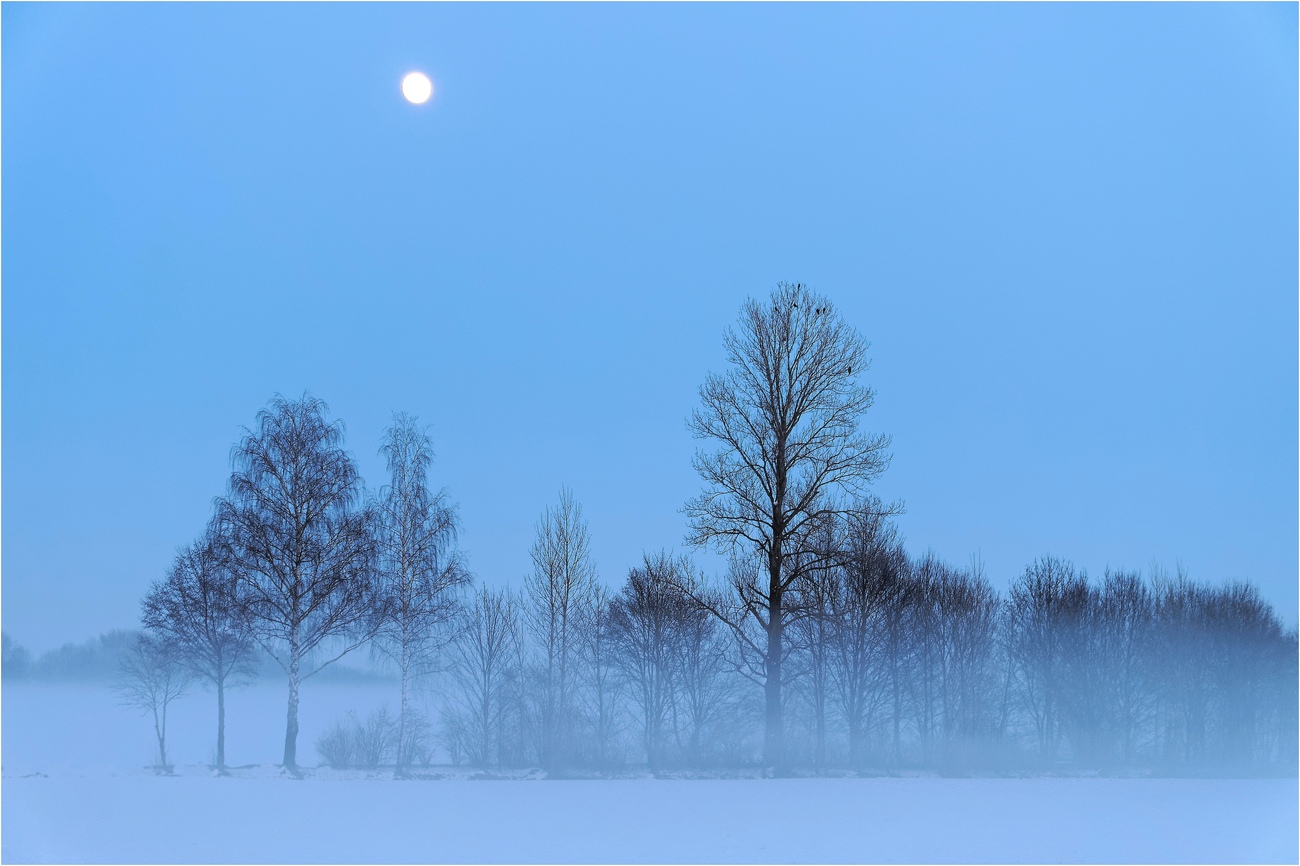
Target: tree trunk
x: 773, y: 733
x: 485, y: 735
x: 291, y: 726
x: 898, y: 711
x: 160, y: 731
x: 399, y: 772
x: 221, y: 723
x: 819, y: 693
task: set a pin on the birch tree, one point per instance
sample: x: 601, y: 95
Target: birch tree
x: 419, y: 567
x: 301, y: 544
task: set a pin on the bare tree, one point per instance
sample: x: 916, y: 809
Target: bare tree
x: 152, y: 676
x: 558, y: 593
x: 1125, y: 639
x: 599, y: 683
x: 483, y: 653
x: 923, y: 656
x: 198, y: 610
x: 705, y: 691
x: 865, y: 590
x: 968, y: 616
x: 812, y: 632
x: 301, y: 544
x: 644, y: 618
x: 785, y: 417
x: 420, y: 569
x: 1038, y: 609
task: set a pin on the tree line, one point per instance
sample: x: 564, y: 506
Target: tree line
x: 826, y: 644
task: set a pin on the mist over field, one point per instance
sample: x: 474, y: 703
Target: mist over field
x: 70, y: 750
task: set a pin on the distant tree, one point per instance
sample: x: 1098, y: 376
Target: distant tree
x: 867, y: 589
x: 301, y: 544
x: 786, y: 419
x: 924, y: 673
x: 152, y: 676
x: 420, y: 569
x: 16, y: 661
x: 96, y: 659
x: 1040, y: 606
x: 598, y: 681
x: 705, y: 695
x: 1124, y: 642
x: 645, y: 618
x: 968, y: 617
x: 1245, y: 631
x: 483, y: 654
x: 558, y: 594
x: 813, y: 630
x: 198, y: 611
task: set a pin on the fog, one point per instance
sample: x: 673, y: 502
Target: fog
x: 71, y: 750
x: 1129, y: 721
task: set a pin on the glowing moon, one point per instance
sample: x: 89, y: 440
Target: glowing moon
x: 417, y: 88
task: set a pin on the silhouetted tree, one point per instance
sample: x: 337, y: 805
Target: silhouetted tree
x: 968, y: 609
x: 785, y: 418
x: 1125, y: 637
x: 1040, y: 605
x: 644, y: 620
x: 301, y: 543
x: 866, y: 590
x: 198, y: 610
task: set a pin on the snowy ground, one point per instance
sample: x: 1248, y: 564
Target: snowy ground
x: 94, y: 802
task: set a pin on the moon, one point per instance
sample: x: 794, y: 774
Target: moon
x: 417, y: 88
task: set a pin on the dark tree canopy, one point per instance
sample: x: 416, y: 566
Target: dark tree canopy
x: 785, y: 420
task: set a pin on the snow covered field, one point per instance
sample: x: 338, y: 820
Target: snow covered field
x: 95, y: 802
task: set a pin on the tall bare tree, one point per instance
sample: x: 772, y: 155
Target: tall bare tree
x: 785, y: 418
x: 420, y: 569
x: 300, y: 543
x: 198, y: 609
x: 558, y: 594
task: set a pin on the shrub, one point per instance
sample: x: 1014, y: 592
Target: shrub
x: 350, y: 742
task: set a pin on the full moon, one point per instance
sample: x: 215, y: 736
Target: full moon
x: 417, y: 88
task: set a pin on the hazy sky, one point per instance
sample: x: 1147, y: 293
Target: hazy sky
x: 1068, y: 231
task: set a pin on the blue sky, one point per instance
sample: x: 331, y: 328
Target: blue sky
x: 1069, y: 232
